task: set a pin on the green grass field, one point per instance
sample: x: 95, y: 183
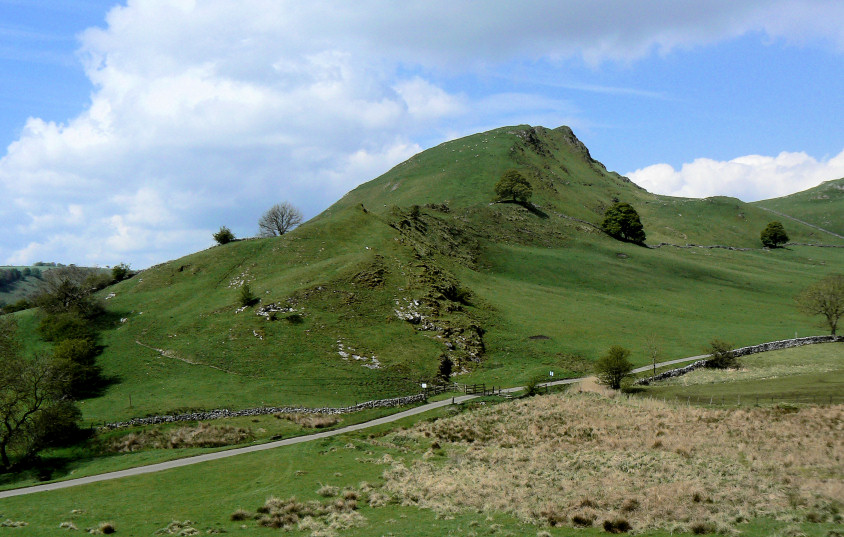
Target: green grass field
x: 366, y: 464
x: 821, y: 206
x: 804, y: 374
x: 487, y: 278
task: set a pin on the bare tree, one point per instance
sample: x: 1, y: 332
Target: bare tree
x: 280, y: 219
x: 825, y: 297
x: 653, y: 348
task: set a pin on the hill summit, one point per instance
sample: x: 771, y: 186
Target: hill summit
x: 420, y: 266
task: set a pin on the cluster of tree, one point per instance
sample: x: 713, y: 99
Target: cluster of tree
x: 9, y: 277
x: 278, y: 220
x: 69, y: 315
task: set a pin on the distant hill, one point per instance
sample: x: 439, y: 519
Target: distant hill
x: 822, y: 206
x: 22, y: 282
x: 366, y: 299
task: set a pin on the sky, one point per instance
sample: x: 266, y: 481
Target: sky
x: 131, y: 131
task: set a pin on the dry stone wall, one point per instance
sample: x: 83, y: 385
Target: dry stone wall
x: 744, y: 351
x: 225, y: 413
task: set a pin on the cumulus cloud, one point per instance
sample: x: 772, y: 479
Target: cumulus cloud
x: 204, y: 113
x: 749, y: 178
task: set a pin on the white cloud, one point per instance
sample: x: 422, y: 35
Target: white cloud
x: 749, y: 178
x: 203, y: 113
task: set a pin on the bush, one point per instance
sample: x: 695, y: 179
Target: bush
x: 247, y: 297
x: 58, y: 327
x: 79, y: 357
x: 121, y: 272
x: 614, y: 367
x: 444, y: 370
x: 721, y: 355
x: 224, y: 236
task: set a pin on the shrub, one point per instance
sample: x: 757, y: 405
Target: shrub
x: 121, y: 272
x: 445, y: 368
x: 224, y: 236
x: 247, y: 297
x: 614, y: 367
x: 721, y: 355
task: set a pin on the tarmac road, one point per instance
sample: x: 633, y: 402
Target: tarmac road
x: 287, y: 441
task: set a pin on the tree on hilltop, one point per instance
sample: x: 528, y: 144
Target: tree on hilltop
x: 279, y: 219
x: 622, y: 222
x: 774, y: 235
x: 513, y: 187
x: 224, y: 236
x: 825, y: 297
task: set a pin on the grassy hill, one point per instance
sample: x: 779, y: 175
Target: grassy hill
x: 822, y: 206
x: 364, y: 300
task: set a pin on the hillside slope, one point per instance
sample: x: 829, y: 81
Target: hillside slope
x: 822, y: 206
x: 364, y: 300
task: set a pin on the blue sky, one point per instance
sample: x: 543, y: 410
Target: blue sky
x: 131, y: 132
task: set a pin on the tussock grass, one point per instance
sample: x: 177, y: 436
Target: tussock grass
x: 200, y: 435
x: 321, y: 519
x: 583, y: 459
x: 311, y: 421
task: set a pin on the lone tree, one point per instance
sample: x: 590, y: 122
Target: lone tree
x: 513, y: 187
x: 281, y: 218
x: 774, y: 235
x: 224, y: 236
x: 825, y: 297
x: 614, y: 367
x: 622, y: 222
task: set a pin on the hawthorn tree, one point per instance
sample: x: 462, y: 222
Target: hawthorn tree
x: 224, y: 236
x: 721, y: 355
x: 513, y: 187
x: 622, y: 222
x: 34, y: 408
x: 279, y: 219
x: 824, y: 297
x: 774, y: 235
x: 614, y: 367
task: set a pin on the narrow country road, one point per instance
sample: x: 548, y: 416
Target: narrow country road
x: 286, y: 442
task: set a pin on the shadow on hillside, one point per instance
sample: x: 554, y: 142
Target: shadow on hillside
x: 529, y: 206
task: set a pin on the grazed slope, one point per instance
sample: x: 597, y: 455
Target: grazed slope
x: 822, y: 206
x: 369, y: 295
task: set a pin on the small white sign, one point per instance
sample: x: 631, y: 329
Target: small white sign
x: 424, y: 386
x: 551, y: 373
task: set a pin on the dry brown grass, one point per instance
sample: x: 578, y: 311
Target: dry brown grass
x: 311, y: 421
x: 321, y: 519
x: 584, y: 459
x: 200, y: 435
